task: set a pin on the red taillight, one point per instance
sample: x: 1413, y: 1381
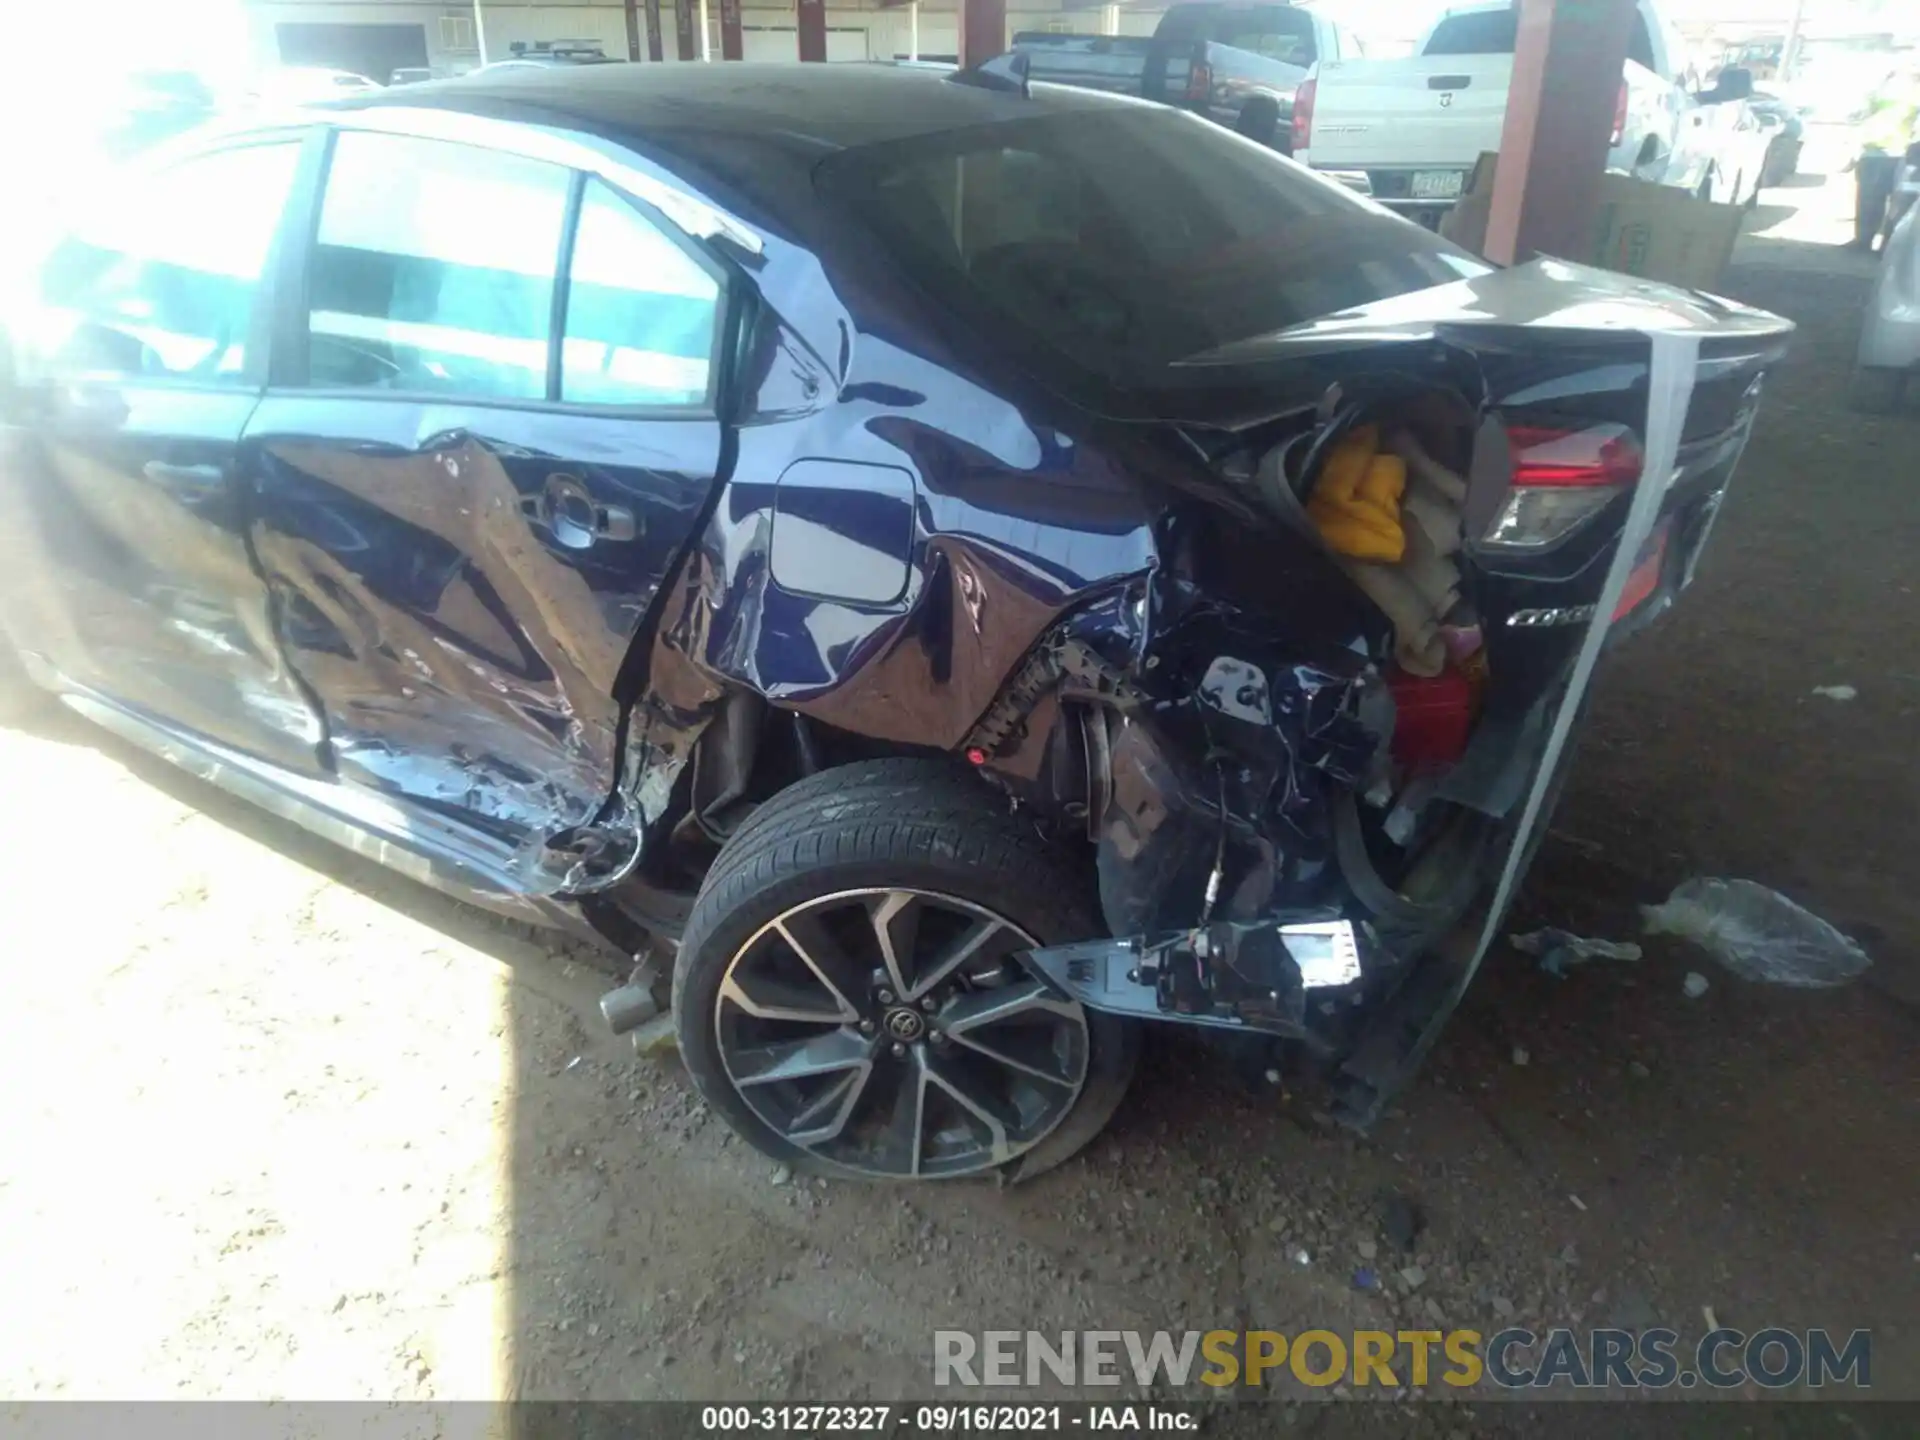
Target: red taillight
x: 1561, y: 479
x: 1619, y: 114
x: 1602, y: 455
x: 1432, y: 718
x: 1303, y: 115
x: 1200, y: 81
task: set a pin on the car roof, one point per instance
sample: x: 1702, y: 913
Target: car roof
x: 825, y: 106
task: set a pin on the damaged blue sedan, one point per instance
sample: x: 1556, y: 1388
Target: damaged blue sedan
x: 965, y: 569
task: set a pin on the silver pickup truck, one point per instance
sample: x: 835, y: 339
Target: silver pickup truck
x: 1238, y: 65
x: 1408, y: 131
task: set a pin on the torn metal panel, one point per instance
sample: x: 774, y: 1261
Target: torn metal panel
x: 461, y: 635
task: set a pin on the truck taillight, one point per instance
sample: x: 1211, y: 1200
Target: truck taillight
x: 1303, y: 115
x: 1200, y: 81
x: 1561, y: 478
x: 1619, y: 114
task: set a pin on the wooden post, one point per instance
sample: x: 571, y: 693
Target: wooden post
x: 1567, y: 69
x: 983, y: 31
x: 683, y: 28
x: 655, y: 51
x: 732, y: 42
x: 810, y: 18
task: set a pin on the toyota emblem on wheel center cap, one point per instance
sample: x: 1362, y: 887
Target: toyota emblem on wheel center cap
x: 904, y: 1024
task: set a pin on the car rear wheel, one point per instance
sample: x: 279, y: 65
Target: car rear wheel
x: 849, y: 994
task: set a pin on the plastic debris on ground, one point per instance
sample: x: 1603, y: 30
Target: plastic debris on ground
x: 1757, y: 934
x: 1561, y: 950
x: 1694, y: 986
x: 1835, y: 692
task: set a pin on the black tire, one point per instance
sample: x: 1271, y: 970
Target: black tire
x: 1259, y: 121
x: 1876, y: 391
x: 910, y: 825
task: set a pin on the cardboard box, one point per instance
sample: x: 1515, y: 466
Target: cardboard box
x: 1652, y: 231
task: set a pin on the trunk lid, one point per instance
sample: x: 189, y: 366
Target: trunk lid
x: 1543, y: 349
x: 1113, y: 64
x: 1539, y: 298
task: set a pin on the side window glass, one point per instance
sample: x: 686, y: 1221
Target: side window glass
x: 433, y: 269
x: 1282, y: 35
x: 161, y: 281
x: 641, y: 314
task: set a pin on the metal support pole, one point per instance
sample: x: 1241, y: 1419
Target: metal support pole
x: 983, y: 31
x: 1790, y: 51
x: 1568, y: 65
x: 706, y: 34
x: 810, y: 19
x: 632, y: 7
x: 480, y: 31
x: 913, y: 30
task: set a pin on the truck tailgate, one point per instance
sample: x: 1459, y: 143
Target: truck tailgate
x: 1429, y: 112
x: 1115, y: 64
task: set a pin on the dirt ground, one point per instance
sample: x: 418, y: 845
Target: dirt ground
x: 280, y: 1124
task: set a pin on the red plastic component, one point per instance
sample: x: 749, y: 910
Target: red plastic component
x: 1600, y: 455
x: 1303, y: 114
x: 1433, y: 718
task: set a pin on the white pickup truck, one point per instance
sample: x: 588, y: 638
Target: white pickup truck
x: 1407, y: 132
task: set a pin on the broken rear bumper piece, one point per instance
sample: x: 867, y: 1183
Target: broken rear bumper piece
x: 1324, y: 981
x: 1257, y: 976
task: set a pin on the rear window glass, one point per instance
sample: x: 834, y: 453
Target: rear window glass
x: 1496, y: 32
x: 1284, y: 35
x: 1123, y: 241
x: 1484, y: 32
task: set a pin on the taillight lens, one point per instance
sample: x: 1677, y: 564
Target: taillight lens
x: 1619, y: 114
x: 1303, y: 115
x: 1598, y: 455
x: 1561, y: 478
x: 1199, y: 81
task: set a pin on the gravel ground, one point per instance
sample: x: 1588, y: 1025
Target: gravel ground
x: 284, y: 1125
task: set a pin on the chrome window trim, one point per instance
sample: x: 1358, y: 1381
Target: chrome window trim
x: 556, y: 147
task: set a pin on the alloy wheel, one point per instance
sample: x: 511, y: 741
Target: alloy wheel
x: 895, y: 1033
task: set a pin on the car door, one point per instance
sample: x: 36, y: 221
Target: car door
x: 140, y: 358
x: 495, y: 432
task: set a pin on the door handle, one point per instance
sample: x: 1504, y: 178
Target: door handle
x: 196, y: 479
x: 567, y: 510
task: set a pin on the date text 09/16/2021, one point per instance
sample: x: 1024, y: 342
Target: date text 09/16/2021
x: 944, y: 1419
